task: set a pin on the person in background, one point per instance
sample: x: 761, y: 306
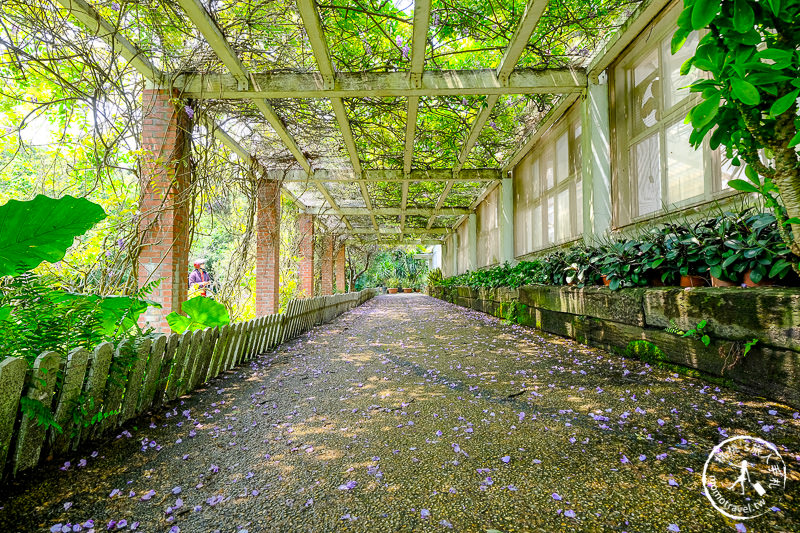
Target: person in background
x: 199, y: 280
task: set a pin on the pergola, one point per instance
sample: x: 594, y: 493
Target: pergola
x: 425, y: 202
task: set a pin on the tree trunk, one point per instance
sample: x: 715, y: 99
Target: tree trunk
x: 787, y: 172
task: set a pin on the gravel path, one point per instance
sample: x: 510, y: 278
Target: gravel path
x: 410, y: 414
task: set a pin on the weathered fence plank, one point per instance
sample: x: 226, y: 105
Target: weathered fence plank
x: 178, y: 366
x: 94, y: 388
x: 152, y: 373
x: 40, y: 387
x: 134, y: 384
x: 74, y: 371
x: 12, y: 378
x: 166, y: 369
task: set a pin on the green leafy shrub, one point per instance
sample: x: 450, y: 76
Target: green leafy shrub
x: 726, y: 246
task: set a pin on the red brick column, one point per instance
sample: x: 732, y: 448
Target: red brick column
x: 327, y: 264
x: 268, y: 247
x: 164, y: 203
x: 305, y: 227
x: 341, y: 282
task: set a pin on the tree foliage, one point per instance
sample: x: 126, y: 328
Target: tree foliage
x: 749, y: 94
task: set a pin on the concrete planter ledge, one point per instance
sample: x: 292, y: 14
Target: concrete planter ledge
x: 609, y: 319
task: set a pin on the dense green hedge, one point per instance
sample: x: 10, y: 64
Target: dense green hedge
x: 727, y: 246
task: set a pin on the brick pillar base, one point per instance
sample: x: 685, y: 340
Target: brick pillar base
x: 327, y: 264
x: 164, y: 203
x: 341, y: 282
x: 305, y: 227
x: 268, y: 247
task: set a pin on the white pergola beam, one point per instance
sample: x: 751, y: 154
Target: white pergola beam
x: 390, y: 175
x: 273, y: 85
x: 530, y: 18
x: 98, y: 26
x: 389, y: 211
x: 396, y: 231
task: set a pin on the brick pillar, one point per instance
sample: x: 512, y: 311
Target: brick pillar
x: 305, y: 227
x: 327, y: 264
x: 341, y: 282
x: 268, y: 247
x: 164, y: 203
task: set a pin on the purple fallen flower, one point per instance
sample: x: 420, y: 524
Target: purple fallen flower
x: 350, y: 485
x: 176, y: 490
x: 673, y: 483
x: 556, y: 497
x: 424, y: 513
x: 506, y: 458
x: 67, y: 506
x: 642, y: 457
x: 624, y: 459
x: 569, y: 513
x: 673, y: 528
x: 122, y: 523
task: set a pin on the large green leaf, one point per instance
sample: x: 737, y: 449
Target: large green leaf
x: 745, y: 91
x: 703, y: 12
x: 42, y: 229
x: 202, y: 313
x: 743, y: 17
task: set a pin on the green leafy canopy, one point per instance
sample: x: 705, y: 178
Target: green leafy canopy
x: 202, y: 313
x: 42, y: 229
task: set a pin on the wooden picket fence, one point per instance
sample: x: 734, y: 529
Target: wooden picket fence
x: 165, y: 367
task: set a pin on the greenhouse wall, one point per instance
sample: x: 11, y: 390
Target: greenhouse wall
x: 618, y: 159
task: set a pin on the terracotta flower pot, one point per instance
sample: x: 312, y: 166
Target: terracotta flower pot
x: 408, y: 290
x: 605, y: 281
x: 716, y: 282
x: 392, y: 291
x: 693, y: 281
x: 763, y: 283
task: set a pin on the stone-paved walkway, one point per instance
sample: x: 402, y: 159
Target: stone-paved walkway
x: 409, y: 414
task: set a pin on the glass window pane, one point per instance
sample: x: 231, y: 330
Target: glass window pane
x: 562, y: 157
x: 646, y: 91
x: 551, y: 218
x: 728, y: 171
x: 547, y: 168
x: 576, y: 148
x: 647, y: 173
x: 535, y: 186
x: 563, y: 228
x: 674, y: 82
x: 684, y: 165
x: 579, y: 206
x: 536, y: 228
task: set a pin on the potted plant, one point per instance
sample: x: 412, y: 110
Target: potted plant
x: 623, y: 263
x: 759, y: 253
x: 683, y: 254
x: 392, y: 285
x: 408, y: 285
x: 581, y: 266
